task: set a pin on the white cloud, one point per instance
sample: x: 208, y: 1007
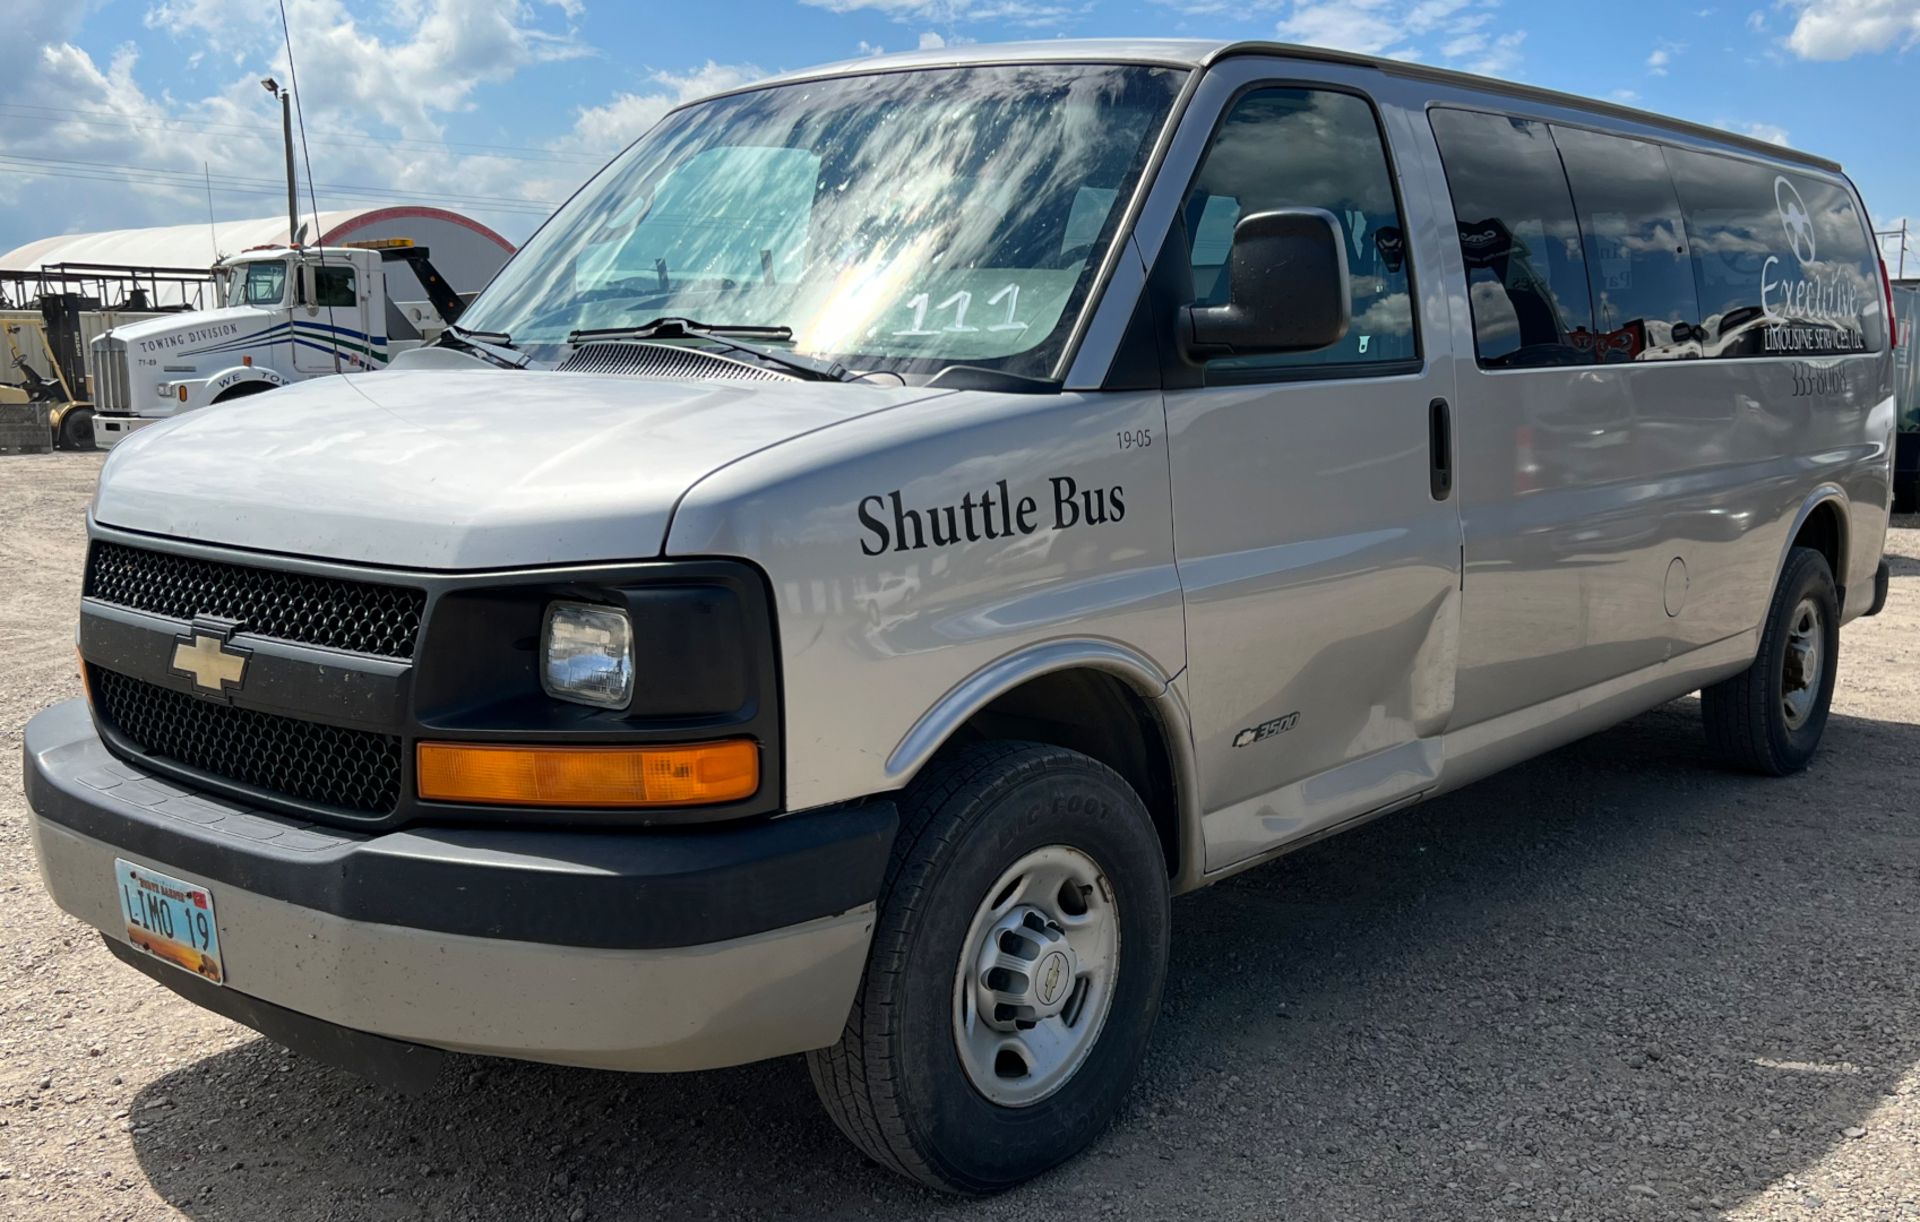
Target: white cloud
x: 444, y: 51
x: 1030, y: 13
x: 1216, y: 8
x: 1371, y: 27
x: 611, y: 127
x: 1658, y: 61
x: 1458, y: 33
x: 378, y: 85
x: 1839, y: 29
x: 1499, y: 57
x: 1757, y: 21
x: 1772, y: 133
x: 931, y: 41
x: 1625, y: 95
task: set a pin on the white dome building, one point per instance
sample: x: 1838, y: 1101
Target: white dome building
x: 465, y: 252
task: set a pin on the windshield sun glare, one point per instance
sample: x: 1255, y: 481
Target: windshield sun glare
x: 903, y: 221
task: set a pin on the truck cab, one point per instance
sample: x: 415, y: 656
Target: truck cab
x: 287, y: 314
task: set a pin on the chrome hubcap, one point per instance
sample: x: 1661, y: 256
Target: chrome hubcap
x: 1035, y: 979
x: 1800, y: 676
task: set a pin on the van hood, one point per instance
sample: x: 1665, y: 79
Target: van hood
x: 457, y: 469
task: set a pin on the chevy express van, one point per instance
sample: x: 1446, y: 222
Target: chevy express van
x: 901, y: 523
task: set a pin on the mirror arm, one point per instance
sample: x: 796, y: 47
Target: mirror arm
x: 1196, y: 320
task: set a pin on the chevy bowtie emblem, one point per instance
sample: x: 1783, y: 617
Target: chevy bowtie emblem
x: 207, y: 656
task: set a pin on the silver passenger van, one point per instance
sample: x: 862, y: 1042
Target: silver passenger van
x: 901, y: 523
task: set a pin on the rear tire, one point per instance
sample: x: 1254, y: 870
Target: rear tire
x: 1007, y: 852
x: 1768, y: 719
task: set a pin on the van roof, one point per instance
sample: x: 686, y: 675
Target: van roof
x: 1201, y: 52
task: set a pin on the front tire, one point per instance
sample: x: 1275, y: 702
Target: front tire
x: 1768, y: 719
x: 76, y: 429
x: 1018, y: 958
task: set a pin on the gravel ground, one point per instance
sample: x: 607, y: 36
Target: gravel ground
x: 1610, y: 983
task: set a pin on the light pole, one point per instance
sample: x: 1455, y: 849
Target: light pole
x: 286, y: 132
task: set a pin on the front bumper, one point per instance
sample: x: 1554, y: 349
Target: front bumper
x: 637, y: 950
x: 110, y: 430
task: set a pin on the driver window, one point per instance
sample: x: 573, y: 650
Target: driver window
x: 1307, y: 148
x: 333, y: 286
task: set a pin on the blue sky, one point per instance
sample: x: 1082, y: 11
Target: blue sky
x: 110, y: 108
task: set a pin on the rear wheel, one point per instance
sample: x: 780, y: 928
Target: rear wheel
x: 1769, y: 718
x: 1017, y: 963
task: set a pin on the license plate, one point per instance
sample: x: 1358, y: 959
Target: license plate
x: 169, y: 919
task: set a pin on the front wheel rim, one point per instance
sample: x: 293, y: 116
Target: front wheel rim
x: 1800, y: 671
x: 1036, y: 975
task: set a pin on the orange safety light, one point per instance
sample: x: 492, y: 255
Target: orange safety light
x: 691, y: 774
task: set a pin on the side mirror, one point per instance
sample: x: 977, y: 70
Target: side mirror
x: 307, y: 291
x: 1287, y: 289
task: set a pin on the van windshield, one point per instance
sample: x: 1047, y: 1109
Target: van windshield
x: 902, y: 221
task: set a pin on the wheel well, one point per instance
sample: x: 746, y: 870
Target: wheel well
x: 1825, y: 532
x: 243, y: 390
x: 1098, y: 715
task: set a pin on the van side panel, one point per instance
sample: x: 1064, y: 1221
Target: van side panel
x: 1555, y: 587
x: 885, y: 616
x: 1621, y: 514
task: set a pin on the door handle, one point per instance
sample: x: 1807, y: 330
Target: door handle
x: 1440, y: 446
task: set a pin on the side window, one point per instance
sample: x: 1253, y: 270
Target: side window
x: 333, y: 286
x: 1308, y: 148
x: 1782, y: 261
x: 1640, y: 277
x: 1526, y: 268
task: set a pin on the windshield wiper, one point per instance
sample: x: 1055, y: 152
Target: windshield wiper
x: 488, y: 344
x: 726, y: 336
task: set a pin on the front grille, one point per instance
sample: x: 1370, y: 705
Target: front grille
x: 357, y: 616
x: 111, y: 392
x: 348, y: 770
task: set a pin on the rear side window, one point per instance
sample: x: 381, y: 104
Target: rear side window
x: 1782, y: 262
x: 1526, y: 264
x: 1641, y: 279
x: 1307, y: 148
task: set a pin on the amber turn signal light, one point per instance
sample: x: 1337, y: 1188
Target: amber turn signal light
x: 692, y: 774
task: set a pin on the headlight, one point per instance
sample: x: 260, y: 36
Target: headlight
x: 588, y: 655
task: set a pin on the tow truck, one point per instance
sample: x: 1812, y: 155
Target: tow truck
x: 289, y: 314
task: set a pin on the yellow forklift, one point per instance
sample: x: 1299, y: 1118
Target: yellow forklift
x: 69, y: 415
x: 68, y: 299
